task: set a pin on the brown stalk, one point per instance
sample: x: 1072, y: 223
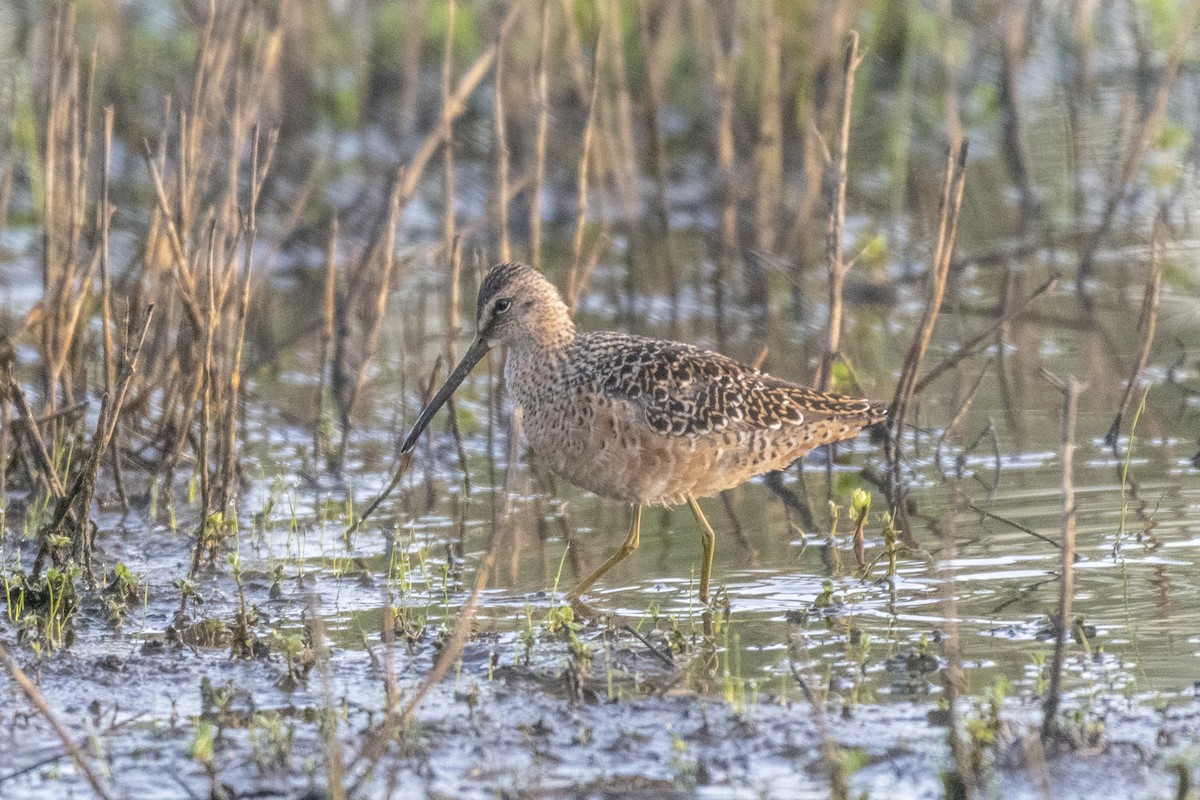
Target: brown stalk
x: 539, y: 157
x: 348, y: 386
x: 110, y: 364
x: 258, y: 173
x: 578, y: 278
x: 1147, y: 324
x: 502, y: 154
x: 75, y: 506
x: 950, y: 205
x: 839, y: 783
x: 954, y: 679
x: 49, y: 213
x: 66, y: 271
x: 657, y: 29
x: 382, y: 252
x: 328, y: 311
x: 6, y: 361
x: 768, y: 150
x: 38, y: 701
x: 724, y: 67
x: 38, y: 444
x: 1070, y: 389
x: 837, y: 217
x: 963, y: 407
x: 467, y: 84
x: 448, y: 217
x: 335, y: 771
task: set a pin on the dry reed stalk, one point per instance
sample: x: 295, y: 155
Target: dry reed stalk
x: 328, y: 306
x: 367, y: 289
x: 954, y: 679
x: 950, y: 206
x: 768, y: 149
x: 575, y: 58
x: 465, y: 87
x: 260, y: 165
x: 348, y: 381
x: 105, y: 213
x: 7, y: 163
x: 32, y: 430
x: 451, y: 247
x: 725, y: 57
x: 1147, y: 130
x: 623, y: 157
x: 335, y: 771
x: 539, y: 156
x: 199, y: 256
x: 1018, y: 19
x: 578, y: 278
x: 837, y: 217
x: 448, y: 217
x: 72, y: 512
x: 38, y: 701
x: 828, y: 27
x: 715, y: 24
x: 67, y: 271
x: 953, y: 121
x: 1018, y: 31
x: 1148, y: 325
x: 502, y: 154
x: 964, y: 406
x: 205, y: 534
x: 659, y: 23
x: 835, y: 771
x: 1065, y: 626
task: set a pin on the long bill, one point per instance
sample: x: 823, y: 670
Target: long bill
x: 474, y: 354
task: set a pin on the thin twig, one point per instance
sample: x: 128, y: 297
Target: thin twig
x: 577, y: 281
x: 1070, y: 389
x: 1148, y: 324
x: 539, y: 157
x: 837, y: 218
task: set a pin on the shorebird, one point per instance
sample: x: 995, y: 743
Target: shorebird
x: 645, y: 421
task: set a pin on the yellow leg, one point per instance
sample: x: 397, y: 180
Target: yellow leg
x: 709, y: 541
x: 628, y: 546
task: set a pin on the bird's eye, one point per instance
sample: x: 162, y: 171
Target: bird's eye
x: 502, y: 305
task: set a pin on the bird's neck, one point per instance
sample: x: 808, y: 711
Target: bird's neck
x: 537, y: 361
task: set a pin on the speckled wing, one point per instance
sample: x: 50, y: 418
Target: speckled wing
x: 687, y: 391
